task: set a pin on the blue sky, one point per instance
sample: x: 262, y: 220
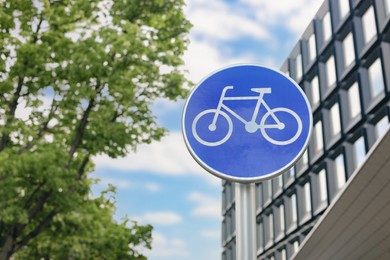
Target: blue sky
x: 161, y: 184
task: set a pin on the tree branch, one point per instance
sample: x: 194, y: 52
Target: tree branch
x: 81, y: 128
x: 82, y: 166
x: 43, y: 130
x: 35, y: 38
x: 39, y: 206
x: 13, y: 104
x: 29, y: 200
x: 37, y: 230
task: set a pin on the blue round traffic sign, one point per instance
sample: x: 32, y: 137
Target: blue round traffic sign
x: 247, y: 123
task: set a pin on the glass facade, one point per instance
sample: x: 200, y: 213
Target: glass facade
x: 343, y: 66
x: 369, y: 28
x: 348, y: 50
x: 353, y: 101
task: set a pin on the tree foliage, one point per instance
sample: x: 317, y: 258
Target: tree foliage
x: 77, y: 79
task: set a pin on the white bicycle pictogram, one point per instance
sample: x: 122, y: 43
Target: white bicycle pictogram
x: 250, y: 126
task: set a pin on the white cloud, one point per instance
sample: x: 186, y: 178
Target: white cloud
x: 168, y: 247
x: 165, y: 218
x: 223, y: 22
x: 206, y: 206
x: 123, y: 183
x: 293, y: 15
x: 167, y: 157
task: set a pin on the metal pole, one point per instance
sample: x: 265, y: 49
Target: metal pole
x: 245, y: 222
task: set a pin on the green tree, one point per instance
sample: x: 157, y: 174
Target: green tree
x: 77, y: 79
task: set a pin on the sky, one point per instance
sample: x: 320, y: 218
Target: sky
x: 161, y: 184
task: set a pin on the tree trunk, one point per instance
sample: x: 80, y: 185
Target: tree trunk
x: 7, y: 250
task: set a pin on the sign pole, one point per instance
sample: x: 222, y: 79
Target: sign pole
x: 245, y: 221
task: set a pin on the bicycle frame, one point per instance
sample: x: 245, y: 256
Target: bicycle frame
x: 260, y: 101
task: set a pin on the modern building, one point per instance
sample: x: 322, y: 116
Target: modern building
x: 334, y: 203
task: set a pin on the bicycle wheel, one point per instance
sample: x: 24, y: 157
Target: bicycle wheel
x: 214, y: 137
x: 291, y: 130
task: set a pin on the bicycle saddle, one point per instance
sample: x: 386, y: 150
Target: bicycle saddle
x: 261, y: 90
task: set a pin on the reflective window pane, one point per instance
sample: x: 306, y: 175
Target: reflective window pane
x: 335, y: 119
x: 330, y: 71
x: 260, y: 238
x: 312, y: 47
x: 322, y: 186
x: 326, y: 27
x: 359, y: 149
x: 344, y: 8
x: 291, y: 172
x: 295, y: 246
x: 318, y: 141
x: 354, y: 100
x: 305, y: 158
x: 381, y: 127
x: 348, y: 50
x: 307, y: 198
x: 368, y: 21
x: 387, y: 6
x: 294, y: 215
x: 298, y: 61
x: 281, y: 219
x: 339, y: 169
x: 376, y: 78
x: 283, y: 254
x: 315, y: 91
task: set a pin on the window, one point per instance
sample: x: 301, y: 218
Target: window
x: 315, y: 91
x: 339, y: 171
x: 312, y: 47
x: 359, y: 149
x: 387, y: 6
x: 322, y: 186
x: 348, y: 50
x: 318, y: 143
x: 269, y: 230
x: 334, y: 114
x: 228, y: 220
x: 288, y: 177
x: 294, y: 214
x: 259, y: 194
x: 224, y: 203
x: 307, y: 198
x: 305, y: 158
x: 298, y: 63
x: 224, y: 230
x: 267, y: 192
x: 282, y: 226
x: 260, y: 238
x: 369, y: 28
x: 233, y: 220
x: 344, y: 8
x: 354, y: 100
x: 381, y: 127
x: 302, y: 163
x: 283, y: 254
x: 295, y: 246
x: 278, y: 185
x: 375, y: 78
x: 291, y: 212
x: 330, y: 71
x: 304, y: 206
x: 326, y: 27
